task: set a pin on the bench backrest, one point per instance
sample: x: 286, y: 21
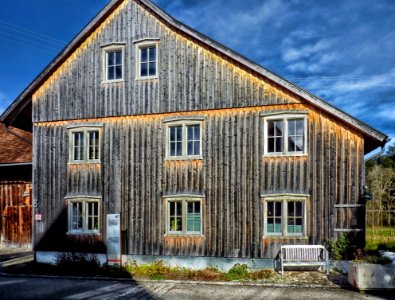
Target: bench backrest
x: 303, y: 252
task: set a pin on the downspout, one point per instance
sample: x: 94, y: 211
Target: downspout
x: 380, y: 152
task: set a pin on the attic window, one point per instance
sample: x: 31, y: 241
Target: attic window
x: 147, y: 59
x: 113, y: 63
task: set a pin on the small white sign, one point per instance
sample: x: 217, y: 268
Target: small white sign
x: 38, y: 217
x: 114, y: 239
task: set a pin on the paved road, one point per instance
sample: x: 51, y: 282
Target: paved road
x: 12, y: 287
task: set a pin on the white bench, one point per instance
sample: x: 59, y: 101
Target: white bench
x: 304, y: 255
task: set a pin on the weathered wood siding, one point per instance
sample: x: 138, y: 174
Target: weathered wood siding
x: 191, y: 78
x: 16, y: 213
x: 233, y: 175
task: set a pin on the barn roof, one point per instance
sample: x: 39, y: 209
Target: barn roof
x: 373, y: 137
x: 15, y: 145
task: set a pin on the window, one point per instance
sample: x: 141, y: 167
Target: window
x: 286, y: 135
x: 84, y: 215
x: 147, y: 59
x: 184, y: 140
x: 113, y: 63
x: 285, y: 215
x: 184, y: 215
x: 84, y: 144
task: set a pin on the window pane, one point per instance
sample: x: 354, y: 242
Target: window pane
x: 279, y: 128
x: 175, y: 216
x: 118, y: 57
x: 273, y: 217
x: 275, y: 136
x: 152, y: 68
x: 179, y: 208
x: 111, y: 73
x: 144, y: 54
x: 118, y: 72
x: 299, y: 127
x: 93, y: 141
x: 78, y: 146
x: 172, y: 208
x: 193, y: 139
x: 295, y: 217
x: 152, y: 53
x: 279, y: 145
x: 76, y: 216
x: 291, y: 127
x: 270, y: 128
x: 144, y: 69
x: 111, y: 60
x: 271, y: 145
x: 295, y: 135
x: 193, y: 216
x: 93, y: 217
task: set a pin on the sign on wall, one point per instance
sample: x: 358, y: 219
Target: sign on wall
x: 113, y: 239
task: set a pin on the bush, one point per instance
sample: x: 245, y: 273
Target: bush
x: 237, y: 272
x: 342, y: 248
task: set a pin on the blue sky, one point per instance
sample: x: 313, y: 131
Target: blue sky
x: 342, y: 51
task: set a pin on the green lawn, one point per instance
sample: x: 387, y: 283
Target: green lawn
x: 380, y: 235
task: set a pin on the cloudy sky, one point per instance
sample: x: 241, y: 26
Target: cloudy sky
x: 342, y: 51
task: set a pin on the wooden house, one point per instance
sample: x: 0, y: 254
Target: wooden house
x: 202, y: 152
x: 15, y: 180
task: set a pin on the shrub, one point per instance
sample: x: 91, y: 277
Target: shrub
x: 340, y: 249
x: 237, y: 272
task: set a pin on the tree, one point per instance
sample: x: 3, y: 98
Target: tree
x: 381, y: 182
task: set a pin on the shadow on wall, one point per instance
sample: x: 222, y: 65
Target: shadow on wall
x: 56, y: 239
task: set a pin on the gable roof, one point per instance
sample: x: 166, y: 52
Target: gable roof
x: 373, y: 137
x: 15, y: 145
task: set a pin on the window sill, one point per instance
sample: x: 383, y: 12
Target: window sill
x: 184, y: 158
x: 184, y: 235
x: 91, y: 162
x: 148, y: 78
x: 113, y: 81
x: 285, y: 237
x: 75, y: 233
x: 285, y: 155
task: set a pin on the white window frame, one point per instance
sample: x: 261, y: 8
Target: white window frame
x: 84, y: 200
x: 285, y: 118
x: 142, y: 44
x: 106, y: 51
x: 284, y: 199
x: 184, y: 124
x: 184, y: 200
x: 85, y: 131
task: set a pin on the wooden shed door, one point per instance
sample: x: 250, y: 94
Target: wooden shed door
x: 16, y: 214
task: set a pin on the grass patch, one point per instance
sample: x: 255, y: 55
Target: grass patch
x: 380, y: 238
